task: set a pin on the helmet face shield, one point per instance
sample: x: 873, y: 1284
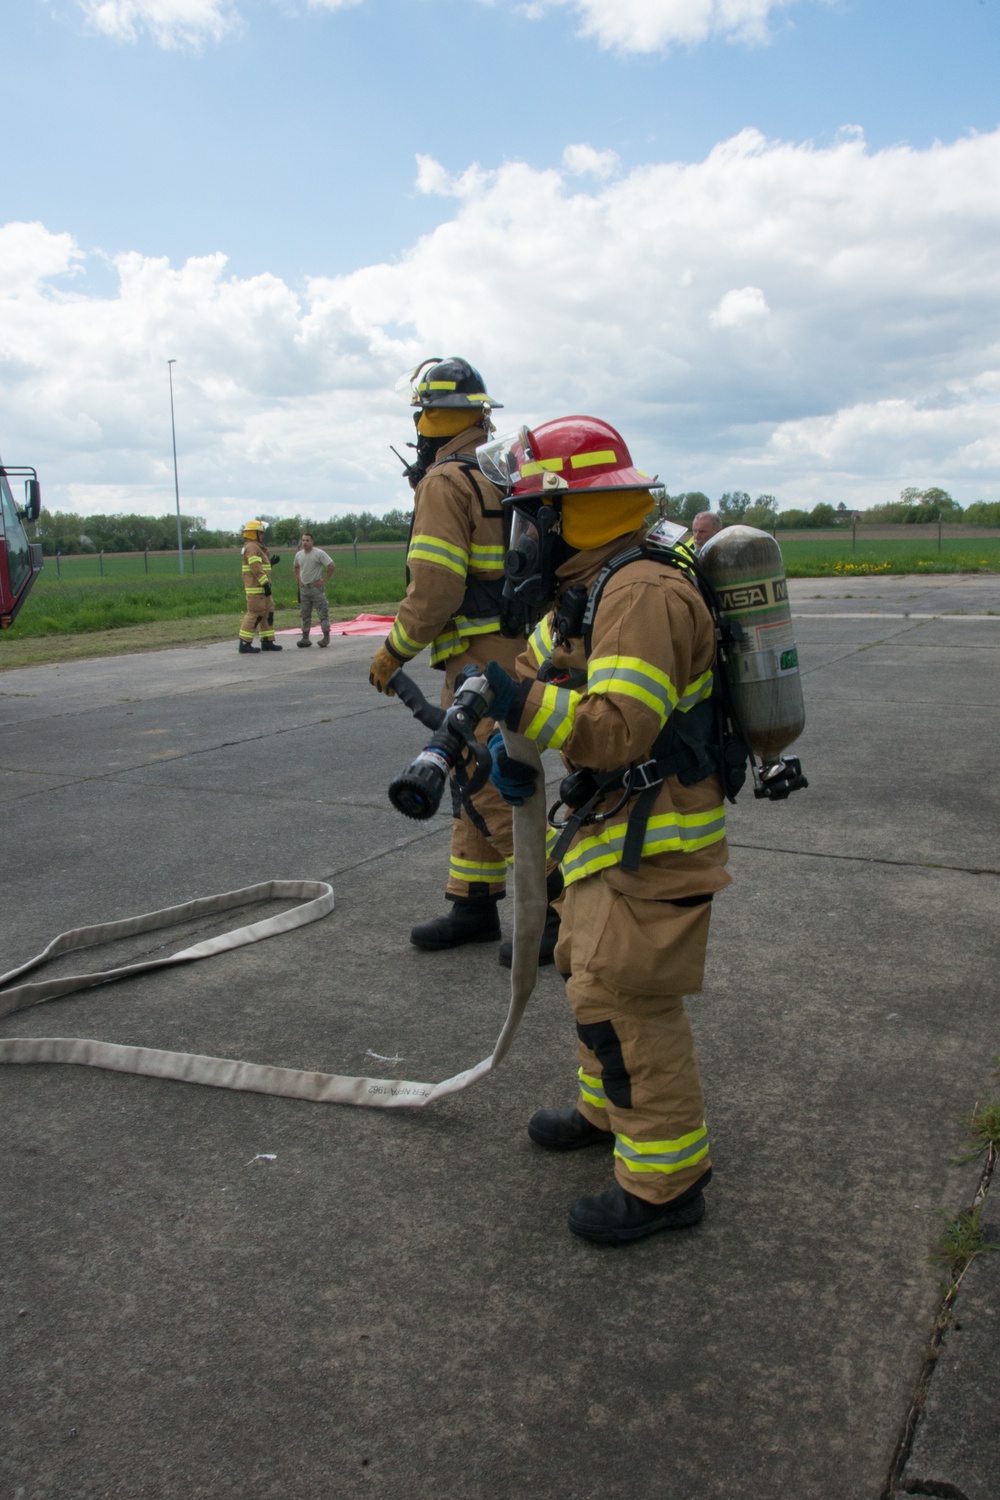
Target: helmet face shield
x: 500, y: 461
x: 406, y: 385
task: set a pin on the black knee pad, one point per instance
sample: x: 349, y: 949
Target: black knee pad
x: 602, y: 1039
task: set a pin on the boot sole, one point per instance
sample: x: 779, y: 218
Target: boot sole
x: 556, y: 1143
x: 680, y: 1218
x: 432, y: 947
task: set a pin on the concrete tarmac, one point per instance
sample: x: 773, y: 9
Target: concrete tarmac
x: 229, y: 1295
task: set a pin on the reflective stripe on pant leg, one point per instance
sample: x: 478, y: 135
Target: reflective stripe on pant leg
x: 661, y: 1145
x: 267, y: 626
x: 255, y: 617
x: 592, y: 1101
x: 473, y: 851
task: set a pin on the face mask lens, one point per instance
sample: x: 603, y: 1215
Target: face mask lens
x: 522, y: 559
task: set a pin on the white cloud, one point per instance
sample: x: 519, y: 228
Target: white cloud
x: 583, y: 161
x: 745, y: 305
x: 435, y: 180
x: 171, y: 23
x: 653, y: 25
x: 818, y: 323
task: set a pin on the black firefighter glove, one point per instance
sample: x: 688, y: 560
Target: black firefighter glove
x: 267, y: 591
x: 275, y: 558
x: 508, y: 696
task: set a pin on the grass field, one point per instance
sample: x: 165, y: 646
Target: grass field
x: 832, y: 556
x: 80, y: 613
x: 80, y: 602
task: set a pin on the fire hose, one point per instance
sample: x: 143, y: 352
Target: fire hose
x: 292, y: 1083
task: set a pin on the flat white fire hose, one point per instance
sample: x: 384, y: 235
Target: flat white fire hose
x: 226, y: 1073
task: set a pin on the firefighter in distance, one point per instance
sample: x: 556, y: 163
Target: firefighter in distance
x: 259, y: 613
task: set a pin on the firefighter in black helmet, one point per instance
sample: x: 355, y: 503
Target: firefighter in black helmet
x: 453, y: 605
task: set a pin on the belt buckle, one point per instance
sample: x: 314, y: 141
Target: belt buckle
x: 644, y: 777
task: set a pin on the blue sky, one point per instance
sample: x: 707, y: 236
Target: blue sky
x: 145, y: 136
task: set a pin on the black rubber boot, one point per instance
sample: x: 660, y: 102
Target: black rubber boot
x: 268, y: 645
x: 247, y: 648
x: 546, y: 948
x: 618, y: 1217
x: 471, y: 920
x: 566, y: 1130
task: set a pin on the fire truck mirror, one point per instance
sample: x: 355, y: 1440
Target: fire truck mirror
x: 32, y: 500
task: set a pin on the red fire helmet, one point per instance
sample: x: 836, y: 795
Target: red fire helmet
x: 584, y: 452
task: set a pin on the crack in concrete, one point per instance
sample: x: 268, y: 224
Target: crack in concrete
x: 870, y: 859
x: 942, y: 1321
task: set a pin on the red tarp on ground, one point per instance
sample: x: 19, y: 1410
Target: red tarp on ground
x: 360, y: 625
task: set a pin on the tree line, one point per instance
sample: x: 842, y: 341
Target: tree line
x: 67, y: 532
x: 913, y: 508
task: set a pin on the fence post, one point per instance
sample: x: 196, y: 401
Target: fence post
x: 939, y: 531
x: 145, y: 557
x: 854, y: 533
x: 192, y: 559
x: 58, y: 569
x: 101, y: 560
x: 355, y: 551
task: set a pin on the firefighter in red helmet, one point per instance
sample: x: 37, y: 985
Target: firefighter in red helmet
x: 453, y: 605
x: 618, y: 676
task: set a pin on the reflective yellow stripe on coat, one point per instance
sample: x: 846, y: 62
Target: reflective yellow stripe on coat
x: 666, y: 833
x: 434, y: 549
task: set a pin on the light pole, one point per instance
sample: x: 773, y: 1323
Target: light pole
x: 177, y: 488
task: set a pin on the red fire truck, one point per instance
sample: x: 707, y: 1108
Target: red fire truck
x: 20, y: 560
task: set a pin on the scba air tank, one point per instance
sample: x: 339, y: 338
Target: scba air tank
x: 745, y: 567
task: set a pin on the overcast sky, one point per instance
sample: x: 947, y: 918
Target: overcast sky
x: 760, y: 236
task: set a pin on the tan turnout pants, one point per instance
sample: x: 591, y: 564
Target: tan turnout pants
x: 259, y: 615
x: 478, y: 858
x: 630, y: 964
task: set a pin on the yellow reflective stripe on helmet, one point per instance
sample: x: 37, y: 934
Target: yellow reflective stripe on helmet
x: 541, y: 644
x: 631, y: 677
x: 696, y: 692
x: 554, y: 719
x: 663, y: 1156
x: 438, y: 385
x: 401, y: 643
x: 473, y: 871
x: 668, y: 833
x: 587, y: 460
x: 592, y: 1090
x: 487, y: 559
x: 539, y: 465
x: 434, y: 549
